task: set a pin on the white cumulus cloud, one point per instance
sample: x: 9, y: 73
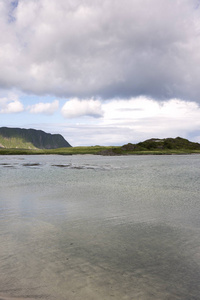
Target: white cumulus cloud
x: 10, y: 105
x: 44, y: 108
x: 135, y: 120
x: 75, y: 108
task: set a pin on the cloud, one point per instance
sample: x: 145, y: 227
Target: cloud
x: 101, y: 49
x: 44, y: 108
x: 75, y: 108
x: 142, y: 119
x: 145, y: 115
x: 10, y: 105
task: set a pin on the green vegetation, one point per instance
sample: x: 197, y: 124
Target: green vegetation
x: 14, y: 151
x: 15, y: 142
x: 30, y: 139
x: 157, y: 147
x: 167, y: 146
x: 61, y: 151
x: 80, y: 150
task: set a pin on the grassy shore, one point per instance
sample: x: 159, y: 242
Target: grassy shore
x: 61, y: 151
x: 98, y: 150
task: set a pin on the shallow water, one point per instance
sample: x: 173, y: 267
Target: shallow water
x: 92, y: 227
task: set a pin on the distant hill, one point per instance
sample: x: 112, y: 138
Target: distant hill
x: 154, y: 145
x: 30, y: 139
x: 164, y: 144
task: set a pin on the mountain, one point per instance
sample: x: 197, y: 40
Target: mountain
x: 30, y: 139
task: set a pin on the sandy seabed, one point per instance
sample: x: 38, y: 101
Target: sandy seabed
x: 2, y: 297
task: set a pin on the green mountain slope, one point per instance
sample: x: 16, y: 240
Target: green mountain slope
x: 30, y: 139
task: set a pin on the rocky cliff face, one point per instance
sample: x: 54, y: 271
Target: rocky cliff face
x: 30, y: 138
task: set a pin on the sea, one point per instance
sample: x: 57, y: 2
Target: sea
x: 87, y: 227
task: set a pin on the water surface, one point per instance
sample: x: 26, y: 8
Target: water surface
x: 92, y: 227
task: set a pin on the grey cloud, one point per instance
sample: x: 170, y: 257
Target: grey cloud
x: 101, y: 49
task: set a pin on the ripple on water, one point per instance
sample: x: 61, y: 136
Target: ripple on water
x: 130, y: 233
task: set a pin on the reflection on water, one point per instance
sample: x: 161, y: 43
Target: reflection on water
x: 92, y: 227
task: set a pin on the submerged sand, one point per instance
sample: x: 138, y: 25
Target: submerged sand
x: 3, y: 297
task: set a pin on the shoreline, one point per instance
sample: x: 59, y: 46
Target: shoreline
x: 96, y: 154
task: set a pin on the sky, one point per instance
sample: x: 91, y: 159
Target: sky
x: 101, y: 72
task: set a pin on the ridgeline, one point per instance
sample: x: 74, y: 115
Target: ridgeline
x: 17, y: 138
